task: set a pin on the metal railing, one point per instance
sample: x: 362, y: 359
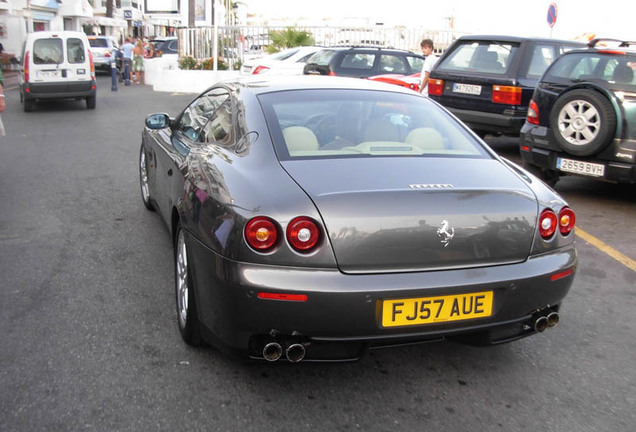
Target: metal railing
x: 237, y: 42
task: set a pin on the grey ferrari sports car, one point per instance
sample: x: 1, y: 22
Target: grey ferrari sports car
x: 316, y: 217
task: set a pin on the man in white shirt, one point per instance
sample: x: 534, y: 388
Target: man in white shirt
x: 431, y: 59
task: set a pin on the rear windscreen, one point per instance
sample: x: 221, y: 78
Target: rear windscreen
x: 48, y: 51
x: 98, y: 43
x: 51, y: 51
x: 357, y: 124
x: 75, y: 49
x: 479, y: 56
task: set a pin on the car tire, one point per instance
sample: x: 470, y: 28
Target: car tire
x: 548, y: 176
x: 91, y: 102
x: 187, y: 317
x: 28, y: 105
x: 583, y: 122
x: 143, y: 180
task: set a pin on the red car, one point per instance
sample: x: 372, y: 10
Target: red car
x: 409, y: 81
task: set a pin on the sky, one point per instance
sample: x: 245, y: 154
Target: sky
x: 606, y: 18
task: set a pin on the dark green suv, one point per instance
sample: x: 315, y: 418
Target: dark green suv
x: 582, y: 116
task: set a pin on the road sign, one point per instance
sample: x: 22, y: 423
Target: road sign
x: 552, y: 14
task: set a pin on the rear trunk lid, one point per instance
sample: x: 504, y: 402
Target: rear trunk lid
x: 397, y: 214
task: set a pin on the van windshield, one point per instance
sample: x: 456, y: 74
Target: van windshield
x: 48, y: 51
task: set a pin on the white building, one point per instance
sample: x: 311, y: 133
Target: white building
x: 130, y: 17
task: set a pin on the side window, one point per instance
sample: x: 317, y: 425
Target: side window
x: 75, y: 50
x: 416, y: 64
x: 219, y: 128
x: 542, y: 57
x: 358, y: 61
x: 48, y: 51
x: 393, y: 64
x: 304, y: 58
x: 197, y: 114
x: 574, y: 66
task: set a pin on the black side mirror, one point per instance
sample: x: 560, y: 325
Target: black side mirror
x: 158, y: 121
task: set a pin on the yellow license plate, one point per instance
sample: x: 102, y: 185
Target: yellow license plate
x: 429, y: 310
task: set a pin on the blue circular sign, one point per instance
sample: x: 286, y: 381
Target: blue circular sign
x: 552, y: 14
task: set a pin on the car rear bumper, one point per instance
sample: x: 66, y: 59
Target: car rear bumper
x: 341, y: 316
x: 536, y: 149
x: 59, y: 90
x: 490, y: 122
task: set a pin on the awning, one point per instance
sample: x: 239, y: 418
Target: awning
x: 42, y: 16
x: 106, y: 21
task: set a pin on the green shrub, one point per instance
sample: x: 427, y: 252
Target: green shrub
x: 187, y: 63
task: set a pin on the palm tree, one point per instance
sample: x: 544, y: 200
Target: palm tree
x: 289, y: 38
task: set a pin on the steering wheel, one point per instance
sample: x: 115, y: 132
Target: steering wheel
x: 323, y: 125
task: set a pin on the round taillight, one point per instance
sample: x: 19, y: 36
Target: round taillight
x: 261, y: 233
x: 547, y: 224
x: 566, y: 220
x: 303, y: 234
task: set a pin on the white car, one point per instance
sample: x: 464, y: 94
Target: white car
x: 287, y: 62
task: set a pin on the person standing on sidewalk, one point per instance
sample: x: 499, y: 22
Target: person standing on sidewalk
x: 2, y: 102
x: 427, y: 49
x: 138, y: 62
x: 127, y: 50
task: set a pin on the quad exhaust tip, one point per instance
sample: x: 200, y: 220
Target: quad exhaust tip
x: 544, y: 322
x: 553, y: 319
x: 295, y: 352
x: 272, y: 351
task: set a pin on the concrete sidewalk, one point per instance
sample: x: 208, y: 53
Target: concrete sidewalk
x: 11, y: 79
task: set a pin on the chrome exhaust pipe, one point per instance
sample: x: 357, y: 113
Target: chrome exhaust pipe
x: 541, y: 324
x: 295, y: 352
x: 272, y: 351
x: 553, y: 319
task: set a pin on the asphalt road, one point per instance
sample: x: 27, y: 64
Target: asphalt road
x: 89, y: 340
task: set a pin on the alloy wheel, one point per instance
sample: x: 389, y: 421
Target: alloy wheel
x: 182, y: 280
x: 579, y: 122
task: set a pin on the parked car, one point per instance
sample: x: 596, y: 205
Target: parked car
x: 103, y: 49
x: 286, y: 62
x: 409, y: 81
x: 167, y: 46
x: 57, y: 65
x: 487, y: 81
x: 582, y: 117
x: 418, y: 232
x: 363, y: 62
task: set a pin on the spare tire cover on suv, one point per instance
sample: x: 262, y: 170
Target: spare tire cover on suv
x: 583, y: 122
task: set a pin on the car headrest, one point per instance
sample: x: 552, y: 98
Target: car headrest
x: 300, y: 138
x: 425, y: 139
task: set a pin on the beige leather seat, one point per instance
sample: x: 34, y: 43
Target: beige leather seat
x: 427, y: 139
x: 300, y: 139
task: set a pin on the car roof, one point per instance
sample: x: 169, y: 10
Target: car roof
x: 261, y: 85
x: 368, y: 48
x: 519, y: 39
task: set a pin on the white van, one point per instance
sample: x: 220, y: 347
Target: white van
x: 57, y: 65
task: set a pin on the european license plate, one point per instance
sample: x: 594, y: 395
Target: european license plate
x: 429, y: 310
x: 467, y: 89
x: 578, y: 167
x: 48, y: 74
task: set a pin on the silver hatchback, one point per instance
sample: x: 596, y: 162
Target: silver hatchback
x: 103, y: 49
